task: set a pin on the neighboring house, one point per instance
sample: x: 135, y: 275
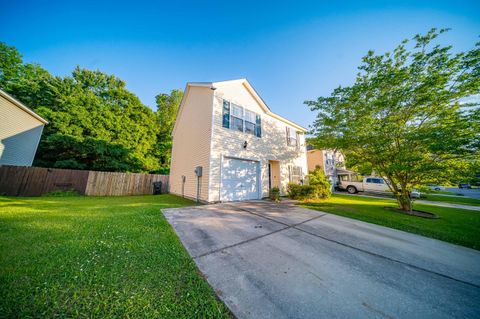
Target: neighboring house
x: 241, y: 147
x: 328, y: 160
x: 20, y: 132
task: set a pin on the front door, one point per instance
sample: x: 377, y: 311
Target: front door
x: 274, y: 173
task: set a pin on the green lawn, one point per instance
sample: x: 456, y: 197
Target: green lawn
x: 453, y: 199
x: 102, y: 257
x: 457, y: 226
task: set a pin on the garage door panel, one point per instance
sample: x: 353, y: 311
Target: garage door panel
x: 239, y: 180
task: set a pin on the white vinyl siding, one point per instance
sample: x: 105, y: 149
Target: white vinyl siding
x: 20, y: 134
x: 191, y: 144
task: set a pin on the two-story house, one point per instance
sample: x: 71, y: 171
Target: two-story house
x: 228, y: 145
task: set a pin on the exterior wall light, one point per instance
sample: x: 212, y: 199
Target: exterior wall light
x: 245, y: 144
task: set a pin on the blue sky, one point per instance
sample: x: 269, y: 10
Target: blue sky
x: 290, y: 51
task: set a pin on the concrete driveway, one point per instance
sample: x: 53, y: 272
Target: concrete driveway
x: 269, y: 260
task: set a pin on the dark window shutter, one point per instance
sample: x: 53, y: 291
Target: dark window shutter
x: 258, y: 127
x: 226, y: 114
x: 287, y: 132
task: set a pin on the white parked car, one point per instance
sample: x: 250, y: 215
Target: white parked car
x: 415, y: 193
x: 369, y: 184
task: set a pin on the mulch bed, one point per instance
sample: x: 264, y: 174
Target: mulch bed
x: 417, y: 213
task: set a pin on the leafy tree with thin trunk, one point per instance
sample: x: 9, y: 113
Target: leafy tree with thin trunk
x: 412, y: 114
x: 167, y: 108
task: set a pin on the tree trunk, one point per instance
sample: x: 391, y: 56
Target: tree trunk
x: 400, y: 190
x: 404, y: 201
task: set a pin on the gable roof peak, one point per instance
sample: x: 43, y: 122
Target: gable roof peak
x: 253, y: 92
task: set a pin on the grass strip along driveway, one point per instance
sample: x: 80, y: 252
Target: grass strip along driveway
x: 453, y: 199
x: 457, y: 226
x: 98, y: 257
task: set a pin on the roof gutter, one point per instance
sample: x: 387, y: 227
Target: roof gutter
x: 22, y: 106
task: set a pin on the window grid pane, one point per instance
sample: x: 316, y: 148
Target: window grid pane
x: 237, y: 111
x: 249, y: 128
x: 237, y: 123
x: 249, y: 116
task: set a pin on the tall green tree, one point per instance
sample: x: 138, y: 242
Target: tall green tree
x: 66, y: 151
x: 411, y: 115
x: 28, y: 82
x: 103, y: 121
x: 11, y: 64
x: 92, y: 104
x: 167, y: 108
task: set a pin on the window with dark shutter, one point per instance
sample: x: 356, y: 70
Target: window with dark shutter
x: 287, y: 134
x: 226, y: 114
x: 236, y: 117
x: 292, y: 136
x: 239, y: 118
x: 258, y: 121
x: 250, y: 123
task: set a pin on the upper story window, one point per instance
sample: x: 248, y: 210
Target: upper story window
x: 250, y: 122
x: 293, y: 137
x: 240, y: 119
x: 236, y: 117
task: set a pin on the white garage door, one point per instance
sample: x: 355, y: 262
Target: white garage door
x: 239, y: 180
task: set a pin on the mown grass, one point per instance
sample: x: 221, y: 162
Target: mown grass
x: 98, y: 257
x: 453, y: 199
x: 456, y: 226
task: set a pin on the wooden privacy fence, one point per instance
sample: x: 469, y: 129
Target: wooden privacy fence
x: 117, y: 184
x: 36, y: 181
